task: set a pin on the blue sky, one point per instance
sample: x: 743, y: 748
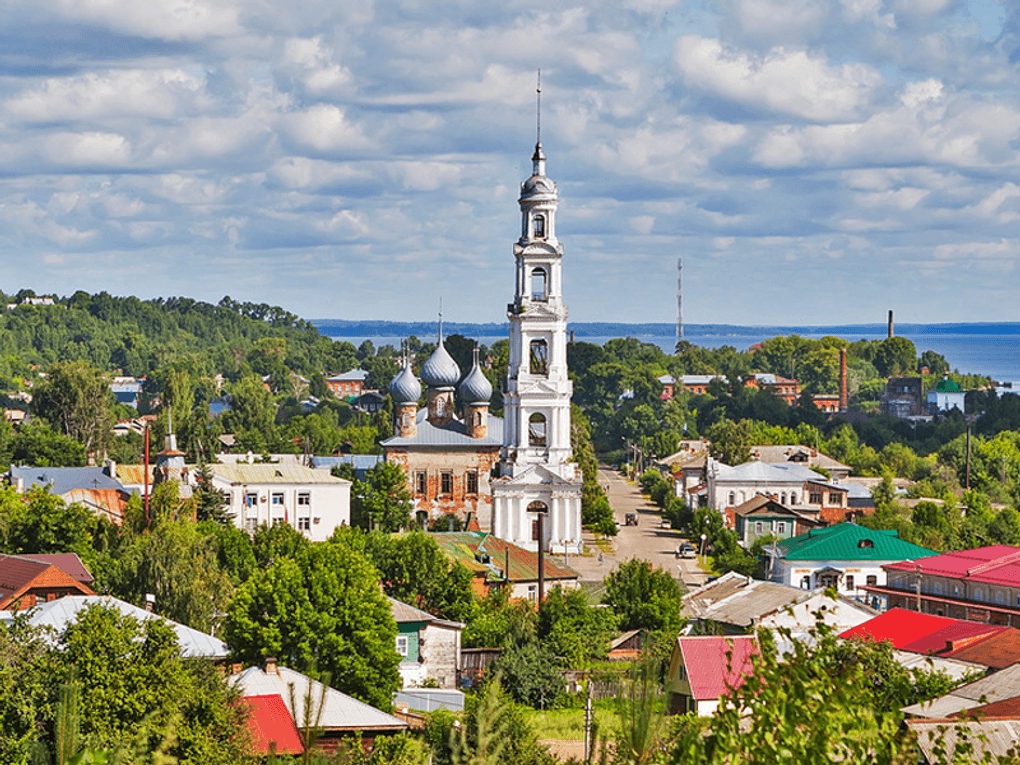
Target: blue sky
x: 813, y: 161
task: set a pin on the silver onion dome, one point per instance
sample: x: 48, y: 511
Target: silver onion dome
x: 405, y: 388
x: 476, y: 389
x: 440, y: 371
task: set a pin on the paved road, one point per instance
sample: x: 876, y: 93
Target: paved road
x: 648, y: 540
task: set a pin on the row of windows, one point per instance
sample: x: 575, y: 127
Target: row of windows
x: 421, y: 482
x: 831, y: 580
x: 276, y: 498
x: 759, y: 527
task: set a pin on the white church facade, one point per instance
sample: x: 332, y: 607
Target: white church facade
x: 536, y: 473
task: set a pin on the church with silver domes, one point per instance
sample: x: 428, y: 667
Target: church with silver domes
x: 520, y: 466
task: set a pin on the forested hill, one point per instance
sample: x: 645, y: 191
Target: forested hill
x: 372, y: 328
x: 138, y: 336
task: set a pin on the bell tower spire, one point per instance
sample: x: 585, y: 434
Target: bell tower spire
x: 536, y: 471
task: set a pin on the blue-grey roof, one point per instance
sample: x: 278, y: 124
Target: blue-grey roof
x: 453, y: 434
x: 64, y: 479
x: 61, y: 612
x: 361, y: 463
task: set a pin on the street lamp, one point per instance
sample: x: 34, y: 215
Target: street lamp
x: 703, y: 538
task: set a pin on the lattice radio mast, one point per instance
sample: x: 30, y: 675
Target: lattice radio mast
x: 679, y: 300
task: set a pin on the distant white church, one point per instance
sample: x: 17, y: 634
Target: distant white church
x: 536, y: 474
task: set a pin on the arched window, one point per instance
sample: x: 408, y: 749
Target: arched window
x: 478, y: 419
x: 782, y: 498
x: 539, y: 357
x: 536, y: 507
x: 536, y: 430
x: 539, y: 286
x: 733, y: 498
x: 540, y: 227
x: 793, y: 498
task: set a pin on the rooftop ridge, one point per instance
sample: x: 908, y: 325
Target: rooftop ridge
x: 1004, y: 560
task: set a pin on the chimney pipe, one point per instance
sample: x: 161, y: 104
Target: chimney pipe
x: 271, y: 666
x: 890, y: 323
x: 842, y: 380
x: 150, y: 601
x: 111, y: 468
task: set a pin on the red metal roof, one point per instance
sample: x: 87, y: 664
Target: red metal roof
x: 710, y: 671
x: 899, y: 626
x: 16, y: 573
x: 954, y: 637
x: 69, y: 563
x: 998, y: 564
x: 271, y: 727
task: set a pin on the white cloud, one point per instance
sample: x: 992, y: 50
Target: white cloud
x: 168, y: 19
x: 160, y: 94
x: 784, y: 81
x: 324, y: 128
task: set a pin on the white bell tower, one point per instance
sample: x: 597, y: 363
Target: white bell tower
x: 536, y: 472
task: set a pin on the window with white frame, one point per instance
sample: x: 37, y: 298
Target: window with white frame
x: 304, y: 523
x: 781, y: 527
x: 277, y: 499
x: 304, y: 499
x: 532, y: 592
x: 403, y: 645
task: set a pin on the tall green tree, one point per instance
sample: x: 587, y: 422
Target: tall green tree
x: 75, y: 398
x: 132, y: 675
x: 322, y: 610
x: 645, y: 598
x: 382, y: 500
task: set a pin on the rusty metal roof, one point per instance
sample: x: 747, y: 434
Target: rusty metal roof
x: 996, y: 737
x: 481, y: 552
x: 998, y: 651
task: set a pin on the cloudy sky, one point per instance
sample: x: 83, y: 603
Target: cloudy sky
x: 813, y: 161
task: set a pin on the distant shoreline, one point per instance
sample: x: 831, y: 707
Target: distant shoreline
x: 424, y: 329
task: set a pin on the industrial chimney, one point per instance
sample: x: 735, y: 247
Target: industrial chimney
x: 890, y: 323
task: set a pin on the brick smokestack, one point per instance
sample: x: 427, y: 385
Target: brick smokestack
x: 890, y: 323
x: 842, y: 380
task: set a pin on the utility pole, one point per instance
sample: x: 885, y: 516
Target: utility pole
x: 679, y: 302
x: 917, y: 585
x: 587, y: 725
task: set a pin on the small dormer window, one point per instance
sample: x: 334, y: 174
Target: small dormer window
x: 539, y: 227
x: 866, y: 543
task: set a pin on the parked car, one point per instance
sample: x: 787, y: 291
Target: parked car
x: 685, y: 550
x: 666, y: 523
x: 631, y: 519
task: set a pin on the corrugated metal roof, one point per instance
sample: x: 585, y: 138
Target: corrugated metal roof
x: 355, y: 375
x: 61, y: 612
x: 716, y: 663
x: 899, y: 626
x: 269, y: 474
x: 996, y: 564
x: 466, y: 546
x: 69, y: 563
x: 339, y: 712
x: 452, y: 435
x: 938, y: 739
x: 17, y: 572
x: 998, y: 686
x: 738, y: 600
x: 957, y: 670
x: 404, y: 613
x: 998, y: 650
x: 848, y: 541
x: 784, y: 453
x: 270, y: 726
x: 63, y: 479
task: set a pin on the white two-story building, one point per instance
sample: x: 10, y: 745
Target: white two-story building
x: 312, y: 501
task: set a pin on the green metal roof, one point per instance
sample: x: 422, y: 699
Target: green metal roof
x: 946, y: 385
x: 848, y: 541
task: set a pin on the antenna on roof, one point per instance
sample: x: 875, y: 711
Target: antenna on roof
x: 440, y: 320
